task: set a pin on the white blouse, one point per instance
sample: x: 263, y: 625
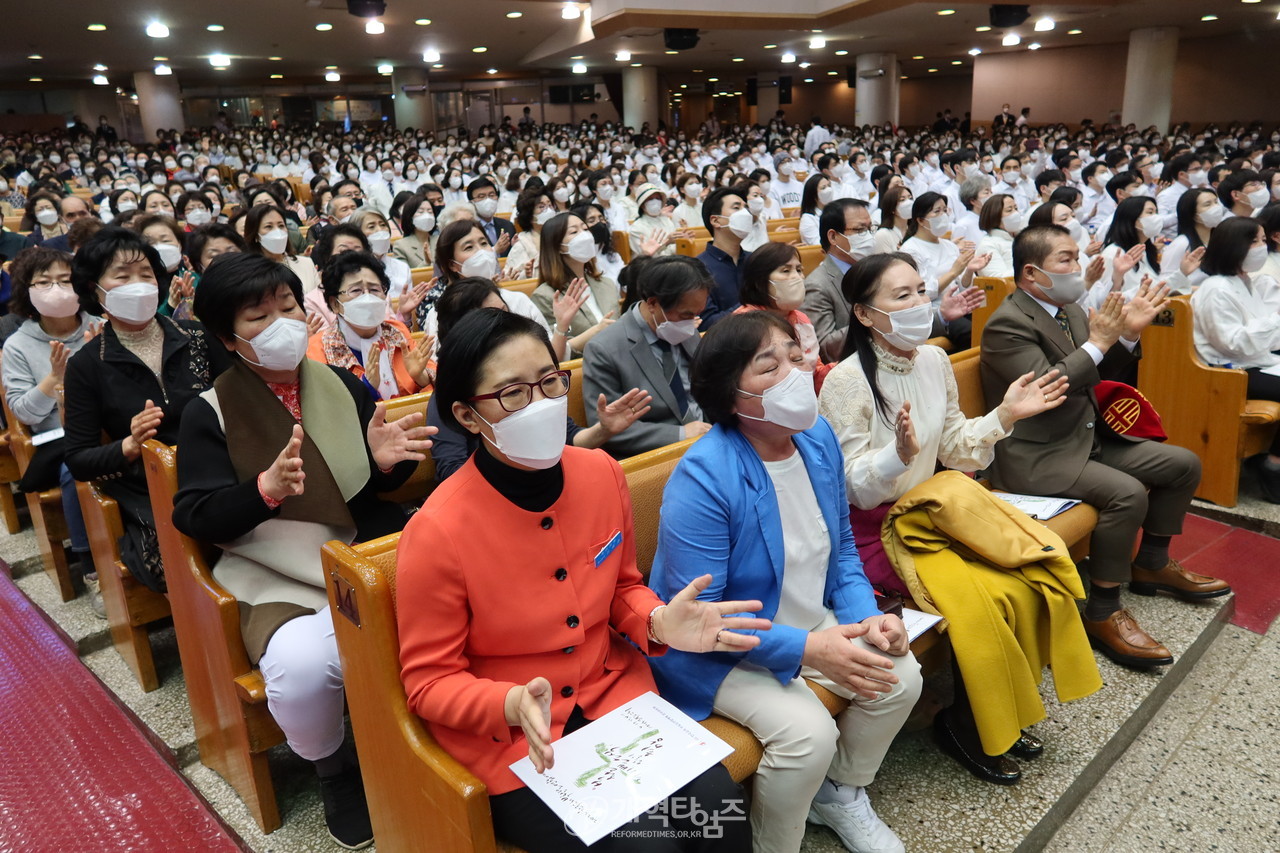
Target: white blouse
x: 933, y: 260
x: 1000, y: 244
x: 873, y: 472
x: 1237, y: 322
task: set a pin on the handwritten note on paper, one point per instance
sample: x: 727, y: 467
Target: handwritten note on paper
x: 917, y: 622
x: 622, y: 764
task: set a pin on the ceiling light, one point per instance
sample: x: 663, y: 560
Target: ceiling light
x: 1209, y: 18
x: 163, y: 70
x: 35, y: 56
x: 1011, y: 40
x: 579, y: 68
x: 982, y: 29
x: 331, y: 68
x: 623, y: 56
x: 805, y: 64
x: 332, y: 76
x: 515, y: 14
x: 636, y: 64
x: 770, y: 46
x: 479, y: 49
x: 438, y: 65
x: 817, y: 43
x: 808, y: 79
x: 215, y: 28
x: 423, y: 22
x: 1250, y: 1
x: 157, y: 30
x: 788, y: 57
x: 684, y: 85
x: 384, y: 68
x: 35, y: 79
x: 277, y: 76
x: 918, y: 56
x: 832, y: 73
x: 100, y: 80
x: 374, y: 27
x: 956, y: 62
x: 974, y: 51
x: 1074, y: 32
x: 737, y: 59
x: 323, y: 28
x: 160, y: 58
x: 96, y: 28
x: 492, y: 71
x: 219, y: 60
x: 431, y: 56
x: 1045, y: 24
x: 579, y: 56
x: 932, y: 70
x: 903, y: 77
x: 946, y: 11
x: 671, y: 52
x: 570, y: 12
x: 1035, y: 45
x: 275, y: 58
x: 99, y: 67
x: 842, y: 53
x: 713, y: 79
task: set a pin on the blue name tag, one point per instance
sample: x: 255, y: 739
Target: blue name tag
x: 609, y: 547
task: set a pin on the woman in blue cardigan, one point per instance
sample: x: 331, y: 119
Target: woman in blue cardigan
x: 759, y: 503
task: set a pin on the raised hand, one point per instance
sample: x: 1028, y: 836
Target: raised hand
x: 963, y: 260
x: 1093, y: 249
x: 1143, y: 307
x: 315, y: 323
x: 1106, y: 323
x: 960, y: 301
x: 1093, y: 272
x: 392, y: 442
x: 504, y: 243
x: 285, y: 476
x: 623, y: 412
x: 1028, y: 396
x: 655, y: 242
x: 1124, y: 262
x: 978, y: 263
x: 565, y: 305
x: 94, y: 329
x: 529, y: 707
x: 58, y: 356
x: 413, y: 298
x: 182, y: 287
x: 904, y: 435
x: 142, y: 427
x: 691, y: 625
x: 417, y: 360
x: 1191, y: 261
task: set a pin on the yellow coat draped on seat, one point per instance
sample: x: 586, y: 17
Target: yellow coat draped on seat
x: 1006, y: 587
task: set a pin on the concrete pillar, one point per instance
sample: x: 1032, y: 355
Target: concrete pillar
x: 640, y: 97
x: 766, y: 97
x: 412, y: 109
x: 877, y: 96
x: 1148, y: 77
x: 159, y: 103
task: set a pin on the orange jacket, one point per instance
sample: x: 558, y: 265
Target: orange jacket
x: 490, y: 596
x: 323, y: 344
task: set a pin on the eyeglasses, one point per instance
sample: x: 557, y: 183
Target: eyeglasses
x: 46, y: 285
x: 376, y: 289
x: 517, y: 395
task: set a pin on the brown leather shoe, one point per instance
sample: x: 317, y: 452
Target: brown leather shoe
x: 1119, y: 638
x: 1176, y: 581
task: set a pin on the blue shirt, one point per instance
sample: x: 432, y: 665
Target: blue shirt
x: 728, y: 278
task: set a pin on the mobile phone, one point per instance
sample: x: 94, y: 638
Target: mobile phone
x: 1033, y: 144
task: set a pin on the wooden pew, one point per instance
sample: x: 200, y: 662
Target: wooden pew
x: 622, y: 245
x: 13, y: 222
x: 810, y: 257
x: 524, y: 285
x: 423, y: 479
x: 1204, y: 409
x: 419, y: 274
x: 997, y: 290
x: 577, y: 405
x: 9, y: 476
x: 228, y: 700
x: 130, y: 606
x: 691, y: 247
x: 785, y: 223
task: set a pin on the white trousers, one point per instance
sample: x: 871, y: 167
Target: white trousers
x: 803, y: 743
x: 302, y: 673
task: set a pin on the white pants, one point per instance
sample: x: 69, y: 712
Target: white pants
x: 302, y: 673
x: 803, y: 743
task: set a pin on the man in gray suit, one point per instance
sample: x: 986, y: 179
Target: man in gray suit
x: 651, y: 347
x: 1135, y: 484
x: 845, y: 233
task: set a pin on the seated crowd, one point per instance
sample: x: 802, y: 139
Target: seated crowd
x: 256, y: 296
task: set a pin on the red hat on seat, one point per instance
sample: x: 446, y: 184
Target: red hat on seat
x: 1127, y: 412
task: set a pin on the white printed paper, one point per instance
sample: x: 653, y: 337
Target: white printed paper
x: 47, y: 436
x: 1036, y: 506
x: 614, y: 768
x: 918, y: 622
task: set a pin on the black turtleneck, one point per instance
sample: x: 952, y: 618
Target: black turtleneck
x: 532, y: 491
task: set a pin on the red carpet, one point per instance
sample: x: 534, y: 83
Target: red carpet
x: 77, y: 773
x: 1249, y: 561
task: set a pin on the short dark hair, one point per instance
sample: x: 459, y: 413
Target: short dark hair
x: 834, y: 216
x: 761, y: 264
x: 670, y: 277
x: 28, y: 264
x: 721, y: 357
x: 142, y: 223
x: 322, y: 251
x: 992, y: 214
x: 1269, y: 216
x: 460, y: 298
x: 1048, y: 176
x: 1033, y: 245
x: 199, y: 238
x: 715, y: 204
x: 450, y: 235
x: 920, y: 210
x: 91, y: 262
x: 470, y: 343
x: 254, y: 218
x: 409, y: 210
x: 1230, y: 243
x: 1235, y: 183
x: 237, y: 280
x: 344, y: 263
x: 1122, y: 181
x: 479, y: 184
x: 187, y: 198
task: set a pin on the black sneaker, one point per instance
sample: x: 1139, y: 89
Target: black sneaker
x: 346, y: 812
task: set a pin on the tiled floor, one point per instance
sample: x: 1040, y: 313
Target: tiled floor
x: 1202, y: 775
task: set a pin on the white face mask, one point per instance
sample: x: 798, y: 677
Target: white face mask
x: 1015, y: 222
x: 791, y: 403
x: 675, y: 333
x: 1254, y: 259
x: 47, y: 217
x: 199, y: 217
x: 541, y: 217
x: 561, y: 194
x: 788, y: 295
x: 280, y: 346
x: 1012, y: 176
x: 1258, y: 197
x: 755, y: 205
x: 860, y: 244
x: 1067, y: 287
x: 455, y: 182
x: 1211, y: 217
x: 1198, y: 178
x: 56, y: 301
x: 274, y: 241
x: 483, y: 264
x: 653, y: 207
x: 581, y: 247
x: 366, y: 311
x: 134, y: 302
x: 380, y: 242
x: 693, y: 189
x: 605, y: 192
x: 486, y: 207
x: 903, y: 209
x: 826, y: 195
x: 170, y: 254
x: 785, y: 168
x: 1151, y: 224
x: 1076, y: 230
x: 938, y: 225
x: 909, y: 328
x: 425, y: 219
x: 740, y: 222
x: 534, y: 436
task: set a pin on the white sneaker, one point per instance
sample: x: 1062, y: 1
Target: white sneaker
x: 860, y: 830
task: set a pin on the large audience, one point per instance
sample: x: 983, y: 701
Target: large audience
x: 255, y: 295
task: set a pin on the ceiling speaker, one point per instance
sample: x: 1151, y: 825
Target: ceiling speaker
x: 679, y: 39
x: 1006, y: 15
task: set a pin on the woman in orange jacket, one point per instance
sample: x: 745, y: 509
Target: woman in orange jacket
x: 521, y: 612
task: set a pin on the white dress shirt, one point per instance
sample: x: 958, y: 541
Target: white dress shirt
x: 1237, y: 321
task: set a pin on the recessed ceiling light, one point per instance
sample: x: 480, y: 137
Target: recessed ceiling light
x: 1045, y: 24
x: 492, y: 71
x: 163, y: 70
x: 570, y: 12
x: 713, y: 79
x: 332, y: 76
x: 275, y: 58
x: 157, y: 30
x: 35, y: 79
x: 96, y: 28
x: 770, y: 46
x: 832, y: 73
x: 903, y: 77
x: 636, y: 64
x: 35, y: 56
x: 423, y: 22
x: 1074, y: 32
x: 974, y: 51
x: 623, y: 56
x: 515, y: 14
x: 737, y: 59
x: 219, y: 60
x: 946, y: 11
x: 160, y: 58
x: 100, y: 80
x: 1209, y: 18
x: 331, y: 68
x: 931, y: 70
x: 374, y: 27
x: 99, y: 67
x: 805, y: 64
x: 956, y: 62
x: 479, y: 49
x: 671, y: 52
x: 215, y: 28
x: 324, y: 28
x: 842, y: 53
x: 579, y: 68
x: 1011, y: 40
x: 384, y: 68
x: 817, y: 43
x: 684, y: 85
x: 982, y: 29
x: 438, y: 65
x: 277, y: 76
x: 808, y: 79
x: 788, y: 57
x: 1035, y: 45
x: 431, y: 56
x: 1250, y: 1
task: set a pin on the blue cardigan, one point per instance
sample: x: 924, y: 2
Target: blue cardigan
x: 720, y: 516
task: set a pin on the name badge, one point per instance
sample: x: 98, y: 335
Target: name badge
x: 609, y: 547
